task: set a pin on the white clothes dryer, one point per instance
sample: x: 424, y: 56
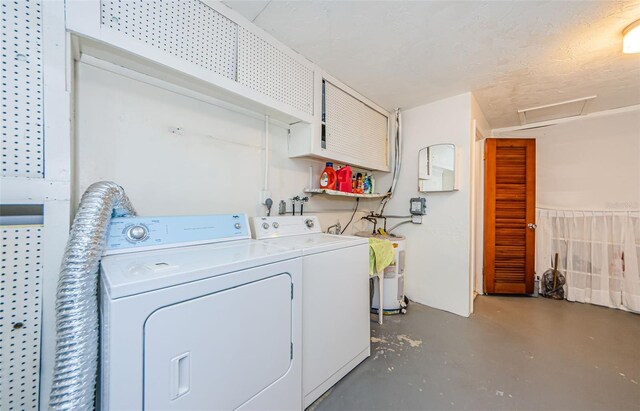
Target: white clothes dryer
x: 209, y: 327
x: 335, y: 298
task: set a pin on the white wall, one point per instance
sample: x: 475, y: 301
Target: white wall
x: 215, y: 166
x: 586, y: 163
x: 590, y: 163
x: 438, y: 258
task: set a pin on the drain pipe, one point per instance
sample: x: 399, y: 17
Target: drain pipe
x: 77, y: 321
x: 265, y: 195
x: 266, y: 154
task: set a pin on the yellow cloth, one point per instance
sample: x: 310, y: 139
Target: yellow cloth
x: 380, y: 255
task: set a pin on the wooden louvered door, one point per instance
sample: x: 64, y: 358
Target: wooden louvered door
x: 509, y: 221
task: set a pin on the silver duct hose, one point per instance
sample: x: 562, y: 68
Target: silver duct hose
x: 77, y: 322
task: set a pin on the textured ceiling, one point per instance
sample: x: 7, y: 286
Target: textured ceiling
x: 511, y: 55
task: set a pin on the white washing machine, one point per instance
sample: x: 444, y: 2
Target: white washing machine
x: 214, y: 326
x: 335, y: 298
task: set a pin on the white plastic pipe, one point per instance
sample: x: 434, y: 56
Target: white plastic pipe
x: 398, y: 152
x: 266, y: 153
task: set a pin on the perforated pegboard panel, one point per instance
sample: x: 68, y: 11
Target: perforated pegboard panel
x: 355, y: 129
x: 264, y: 68
x: 187, y: 29
x: 22, y: 113
x: 20, y: 305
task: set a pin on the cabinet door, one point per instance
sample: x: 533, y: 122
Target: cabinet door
x: 220, y: 350
x: 22, y: 90
x: 265, y: 68
x: 188, y: 29
x: 21, y: 299
x: 354, y: 129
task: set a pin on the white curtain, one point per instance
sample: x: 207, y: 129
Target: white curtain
x: 599, y: 254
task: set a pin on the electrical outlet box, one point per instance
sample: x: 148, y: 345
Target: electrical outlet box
x: 264, y: 194
x: 418, y: 206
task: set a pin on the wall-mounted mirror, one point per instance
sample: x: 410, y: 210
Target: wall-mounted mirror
x: 437, y: 168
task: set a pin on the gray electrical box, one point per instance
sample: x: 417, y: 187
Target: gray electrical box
x: 418, y: 206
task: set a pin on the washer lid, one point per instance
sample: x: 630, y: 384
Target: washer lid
x: 317, y: 243
x: 135, y: 273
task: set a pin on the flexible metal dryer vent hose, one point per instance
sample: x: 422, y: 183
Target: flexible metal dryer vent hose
x: 77, y: 321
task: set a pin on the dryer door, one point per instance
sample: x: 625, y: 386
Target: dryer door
x: 218, y: 351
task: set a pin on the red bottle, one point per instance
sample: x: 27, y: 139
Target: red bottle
x: 344, y: 179
x: 328, y: 177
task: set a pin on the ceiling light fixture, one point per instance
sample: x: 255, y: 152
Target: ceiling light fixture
x: 631, y: 39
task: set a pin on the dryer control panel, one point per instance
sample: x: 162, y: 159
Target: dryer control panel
x: 284, y: 226
x: 128, y: 234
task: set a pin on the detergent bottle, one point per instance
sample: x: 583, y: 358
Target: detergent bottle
x: 359, y: 186
x: 366, y: 184
x: 328, y: 177
x: 344, y: 179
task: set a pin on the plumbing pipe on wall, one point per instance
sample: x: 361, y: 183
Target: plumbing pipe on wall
x: 77, y: 321
x: 397, y: 153
x: 266, y: 153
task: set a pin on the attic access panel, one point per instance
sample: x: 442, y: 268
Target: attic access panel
x: 555, y: 111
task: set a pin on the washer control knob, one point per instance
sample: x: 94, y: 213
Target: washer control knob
x: 265, y: 226
x: 137, y: 233
x: 276, y: 225
x: 238, y: 226
x: 309, y: 222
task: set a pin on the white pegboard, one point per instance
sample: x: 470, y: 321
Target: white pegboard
x: 187, y: 29
x: 20, y: 313
x: 355, y: 129
x: 265, y: 68
x: 22, y: 89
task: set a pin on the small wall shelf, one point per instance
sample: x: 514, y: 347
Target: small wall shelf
x: 341, y: 193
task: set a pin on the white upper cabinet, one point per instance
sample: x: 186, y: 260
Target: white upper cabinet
x: 350, y: 129
x: 209, y: 48
x: 200, y: 45
x: 189, y: 30
x: 265, y: 68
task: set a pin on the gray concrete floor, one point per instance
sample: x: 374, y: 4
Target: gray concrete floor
x: 513, y: 353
